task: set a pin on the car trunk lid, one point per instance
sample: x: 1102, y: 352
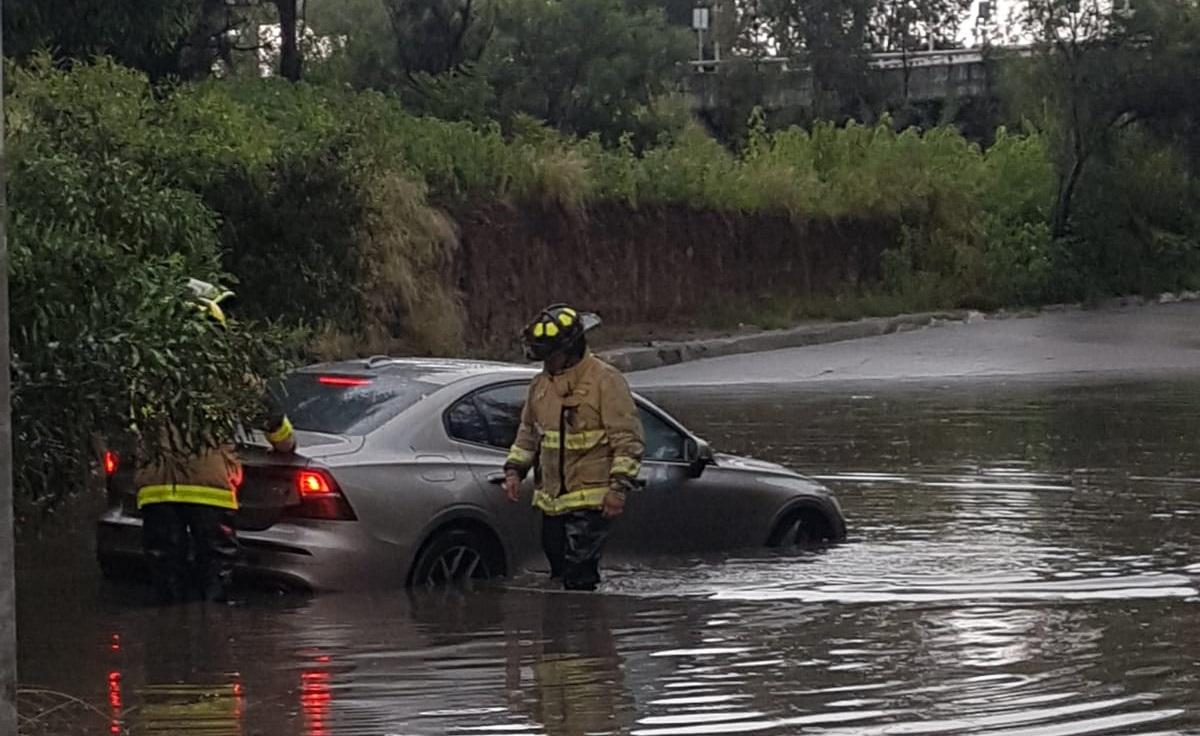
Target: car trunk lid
x: 269, y: 490
x: 270, y: 486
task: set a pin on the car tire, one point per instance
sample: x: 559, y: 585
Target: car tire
x: 455, y: 558
x: 113, y: 568
x: 801, y: 530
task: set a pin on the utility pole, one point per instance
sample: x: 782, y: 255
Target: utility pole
x: 8, y: 588
x: 700, y: 23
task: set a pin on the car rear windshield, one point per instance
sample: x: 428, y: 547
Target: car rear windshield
x: 353, y: 405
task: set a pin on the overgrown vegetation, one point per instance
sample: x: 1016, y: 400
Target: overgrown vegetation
x: 332, y: 205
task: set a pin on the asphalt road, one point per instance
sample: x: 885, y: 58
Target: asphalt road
x: 1133, y: 340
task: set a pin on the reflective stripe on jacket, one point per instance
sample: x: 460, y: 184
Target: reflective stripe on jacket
x: 582, y: 428
x: 208, y: 479
x: 223, y: 498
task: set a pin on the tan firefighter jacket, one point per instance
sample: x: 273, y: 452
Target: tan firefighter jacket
x: 582, y: 428
x: 210, y: 478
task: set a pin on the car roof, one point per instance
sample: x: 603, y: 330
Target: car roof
x: 439, y: 371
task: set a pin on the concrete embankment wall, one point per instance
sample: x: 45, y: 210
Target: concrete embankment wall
x: 661, y: 266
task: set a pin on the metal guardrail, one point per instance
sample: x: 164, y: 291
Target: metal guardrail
x: 884, y: 60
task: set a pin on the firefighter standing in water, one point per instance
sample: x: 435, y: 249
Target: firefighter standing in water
x: 187, y: 506
x: 580, y: 427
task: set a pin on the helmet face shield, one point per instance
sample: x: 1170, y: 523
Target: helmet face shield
x: 210, y: 298
x: 556, y: 330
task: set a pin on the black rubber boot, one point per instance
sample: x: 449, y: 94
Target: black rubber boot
x: 216, y: 551
x: 586, y: 534
x: 554, y: 544
x: 165, y: 542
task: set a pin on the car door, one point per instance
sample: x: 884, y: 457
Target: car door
x: 666, y: 514
x: 484, y: 424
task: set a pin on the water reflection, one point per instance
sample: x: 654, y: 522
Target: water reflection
x: 1021, y: 562
x: 574, y: 683
x: 190, y: 680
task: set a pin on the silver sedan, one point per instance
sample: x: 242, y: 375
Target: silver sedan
x: 396, y: 484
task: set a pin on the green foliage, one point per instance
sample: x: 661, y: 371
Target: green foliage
x: 145, y: 35
x: 583, y: 65
x: 332, y: 210
x: 1019, y: 255
x: 365, y: 52
x: 105, y: 337
x: 1137, y: 222
x: 439, y: 36
x: 1112, y: 96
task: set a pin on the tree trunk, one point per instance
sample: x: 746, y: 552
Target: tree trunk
x: 290, y: 63
x: 200, y: 49
x: 1060, y: 221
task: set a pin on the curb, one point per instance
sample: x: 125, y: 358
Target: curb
x: 660, y: 354
x: 657, y: 355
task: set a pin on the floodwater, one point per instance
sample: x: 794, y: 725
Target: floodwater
x: 1023, y: 559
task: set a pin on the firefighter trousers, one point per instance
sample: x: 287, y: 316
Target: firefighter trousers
x: 192, y: 549
x: 573, y: 542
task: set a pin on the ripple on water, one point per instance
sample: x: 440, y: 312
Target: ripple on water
x: 1022, y: 562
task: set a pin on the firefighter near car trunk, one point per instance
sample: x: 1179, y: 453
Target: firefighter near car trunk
x: 581, y: 434
x: 187, y: 505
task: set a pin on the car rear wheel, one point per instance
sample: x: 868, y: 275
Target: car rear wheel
x: 115, y: 568
x: 455, y: 557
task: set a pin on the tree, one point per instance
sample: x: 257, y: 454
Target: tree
x: 831, y: 37
x: 905, y: 25
x: 365, y: 53
x: 582, y: 65
x: 290, y: 60
x: 188, y: 39
x: 1078, y: 86
x: 146, y: 35
x: 104, y: 329
x: 1112, y: 90
x: 440, y: 36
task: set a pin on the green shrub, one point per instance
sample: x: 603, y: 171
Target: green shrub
x: 105, y: 337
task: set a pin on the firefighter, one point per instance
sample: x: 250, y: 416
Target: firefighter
x: 580, y: 428
x: 187, y: 507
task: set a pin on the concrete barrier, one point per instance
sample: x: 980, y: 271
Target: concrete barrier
x: 656, y: 355
x: 659, y: 354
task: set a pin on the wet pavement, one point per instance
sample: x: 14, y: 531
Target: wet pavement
x: 1152, y: 340
x: 1022, y: 560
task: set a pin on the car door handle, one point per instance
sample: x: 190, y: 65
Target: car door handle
x: 496, y: 479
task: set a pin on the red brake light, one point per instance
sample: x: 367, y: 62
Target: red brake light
x: 320, y: 498
x: 312, y: 482
x: 112, y: 461
x: 342, y: 381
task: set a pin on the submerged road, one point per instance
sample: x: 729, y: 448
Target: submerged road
x: 1021, y: 562
x: 1139, y: 340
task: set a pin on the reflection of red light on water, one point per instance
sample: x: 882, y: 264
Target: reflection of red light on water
x: 114, y: 690
x: 239, y: 702
x: 115, y: 701
x: 315, y: 697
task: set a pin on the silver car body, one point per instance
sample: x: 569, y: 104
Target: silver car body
x: 409, y: 481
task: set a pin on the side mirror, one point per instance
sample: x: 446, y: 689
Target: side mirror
x: 698, y: 456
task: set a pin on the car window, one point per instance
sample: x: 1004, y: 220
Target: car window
x: 353, y: 405
x: 663, y: 442
x: 489, y: 417
x: 464, y: 422
x: 501, y: 408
